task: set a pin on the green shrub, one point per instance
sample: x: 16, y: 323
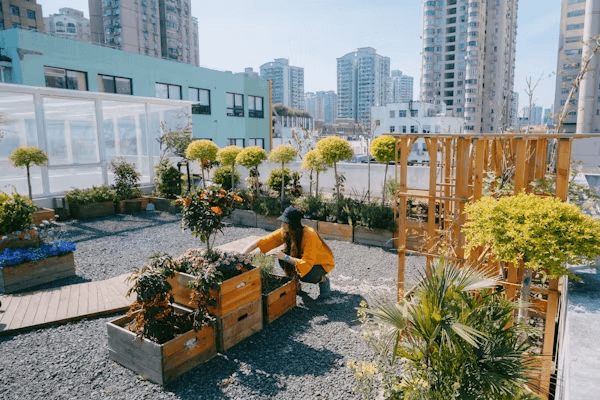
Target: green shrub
x: 313, y: 207
x: 25, y: 157
x: 167, y: 180
x: 16, y: 213
x: 95, y: 194
x: 343, y: 211
x: 376, y: 216
x: 270, y: 206
x: 126, y: 179
x: 274, y: 181
x: 222, y: 176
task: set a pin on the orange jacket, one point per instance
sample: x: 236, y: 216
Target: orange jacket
x: 314, y: 251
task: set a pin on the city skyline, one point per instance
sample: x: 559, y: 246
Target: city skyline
x: 314, y: 33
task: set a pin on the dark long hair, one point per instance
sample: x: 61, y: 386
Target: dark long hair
x: 292, y: 238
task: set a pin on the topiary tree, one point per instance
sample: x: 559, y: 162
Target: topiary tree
x: 274, y: 181
x: 383, y: 149
x: 313, y: 161
x: 283, y: 154
x: 25, y: 157
x: 251, y: 157
x: 226, y: 156
x: 226, y: 176
x: 538, y: 233
x: 127, y: 179
x: 333, y: 149
x: 203, y: 151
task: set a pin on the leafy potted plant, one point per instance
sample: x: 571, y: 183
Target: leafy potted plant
x: 203, y: 151
x: 127, y: 187
x: 91, y: 203
x: 339, y: 219
x: 333, y: 150
x: 375, y: 225
x: 226, y: 176
x: 283, y: 154
x: 251, y: 158
x: 167, y: 187
x: 16, y: 222
x: 313, y: 161
x: 226, y: 156
x: 157, y: 339
x: 383, y: 149
x: 268, y: 209
x: 26, y: 157
x: 278, y: 292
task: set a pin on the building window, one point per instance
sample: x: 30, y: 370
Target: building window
x: 401, y: 113
x: 574, y: 26
x: 255, y: 107
x: 403, y: 128
x: 114, y: 84
x: 392, y: 113
x: 235, y: 104
x: 14, y: 10
x: 575, y: 13
x: 65, y: 79
x: 260, y: 142
x: 573, y: 52
x: 414, y: 113
x: 16, y: 25
x: 201, y: 98
x: 392, y: 129
x: 573, y: 39
x: 5, y: 74
x: 166, y: 91
x: 413, y: 129
x: 235, y: 142
x: 30, y: 14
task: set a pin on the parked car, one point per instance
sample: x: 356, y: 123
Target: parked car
x: 361, y: 158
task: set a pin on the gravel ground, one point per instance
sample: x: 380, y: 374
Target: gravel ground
x: 302, y: 355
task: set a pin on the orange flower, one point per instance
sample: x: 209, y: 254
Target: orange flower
x: 217, y: 210
x: 237, y: 198
x: 203, y: 195
x: 187, y: 201
x: 179, y: 201
x: 220, y: 195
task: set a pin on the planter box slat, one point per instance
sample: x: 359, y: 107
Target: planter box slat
x: 94, y: 210
x: 132, y: 205
x: 374, y: 237
x: 43, y: 214
x: 330, y: 230
x: 20, y: 242
x: 243, y: 217
x: 160, y: 363
x: 162, y: 204
x: 238, y: 325
x: 310, y: 222
x: 23, y: 276
x: 279, y: 301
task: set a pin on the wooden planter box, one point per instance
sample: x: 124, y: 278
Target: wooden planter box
x: 23, y: 276
x: 231, y: 295
x: 310, y: 222
x: 94, y: 210
x: 19, y: 242
x: 279, y: 301
x: 132, y: 206
x: 168, y: 205
x: 267, y: 223
x: 415, y: 235
x: 239, y: 324
x: 243, y: 218
x: 159, y: 363
x: 43, y: 214
x: 330, y: 230
x: 374, y: 237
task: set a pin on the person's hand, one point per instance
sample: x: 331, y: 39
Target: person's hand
x: 281, y: 255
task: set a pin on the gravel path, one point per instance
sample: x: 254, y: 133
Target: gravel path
x: 302, y: 355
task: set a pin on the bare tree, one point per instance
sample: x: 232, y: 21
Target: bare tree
x: 529, y: 92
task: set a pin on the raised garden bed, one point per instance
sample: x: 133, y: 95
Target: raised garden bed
x: 30, y: 274
x: 132, y: 206
x: 279, y: 296
x: 94, y: 210
x: 243, y: 217
x: 160, y: 363
x: 330, y: 230
x: 374, y: 237
x: 168, y: 205
x: 23, y: 240
x: 267, y: 223
x: 241, y: 323
x: 43, y: 214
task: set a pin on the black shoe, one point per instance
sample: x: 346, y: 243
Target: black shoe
x: 324, y: 289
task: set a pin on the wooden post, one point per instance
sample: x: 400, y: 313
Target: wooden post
x: 541, y: 158
x: 549, y: 329
x: 480, y: 145
x: 271, y: 115
x: 461, y: 192
x: 404, y: 148
x: 432, y: 149
x: 520, y: 164
x: 446, y: 180
x: 531, y: 164
x: 563, y: 168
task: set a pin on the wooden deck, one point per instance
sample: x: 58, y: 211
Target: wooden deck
x: 26, y: 311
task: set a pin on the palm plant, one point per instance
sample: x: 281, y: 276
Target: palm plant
x: 453, y: 340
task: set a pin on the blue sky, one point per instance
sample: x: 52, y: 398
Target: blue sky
x: 236, y: 34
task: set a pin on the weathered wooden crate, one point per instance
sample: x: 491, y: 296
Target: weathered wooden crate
x: 239, y: 324
x: 19, y: 242
x: 279, y: 301
x: 267, y: 223
x: 243, y: 217
x: 168, y: 205
x: 23, y: 276
x: 330, y: 230
x: 94, y: 210
x: 231, y: 295
x: 160, y: 363
x: 43, y: 214
x: 374, y: 237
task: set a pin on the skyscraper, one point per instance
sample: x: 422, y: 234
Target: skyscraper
x: 402, y: 87
x: 157, y: 28
x: 514, y: 111
x: 322, y: 106
x: 288, y: 82
x: 68, y: 24
x: 469, y: 60
x: 23, y: 14
x: 363, y: 81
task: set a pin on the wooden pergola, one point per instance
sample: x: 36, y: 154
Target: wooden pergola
x: 457, y: 166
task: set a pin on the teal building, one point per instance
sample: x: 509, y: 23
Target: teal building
x: 226, y: 108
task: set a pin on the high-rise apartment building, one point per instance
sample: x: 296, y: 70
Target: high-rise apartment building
x: 535, y: 115
x: 288, y: 82
x: 469, y: 59
x: 402, y: 87
x: 322, y: 106
x: 514, y: 111
x: 363, y: 81
x: 157, y: 28
x: 68, y: 24
x: 23, y: 14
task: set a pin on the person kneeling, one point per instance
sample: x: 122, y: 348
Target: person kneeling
x: 305, y: 254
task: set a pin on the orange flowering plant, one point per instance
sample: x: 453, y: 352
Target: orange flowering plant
x: 203, y: 212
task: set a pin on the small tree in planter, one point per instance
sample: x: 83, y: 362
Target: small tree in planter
x: 283, y: 154
x: 251, y: 157
x: 383, y: 149
x: 27, y: 156
x: 203, y: 151
x: 167, y: 180
x: 334, y: 150
x: 16, y: 213
x: 226, y: 156
x: 227, y: 177
x: 314, y: 161
x: 127, y: 179
x: 539, y: 233
x: 274, y: 181
x: 203, y: 212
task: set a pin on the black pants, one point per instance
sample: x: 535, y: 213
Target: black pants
x: 315, y: 275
